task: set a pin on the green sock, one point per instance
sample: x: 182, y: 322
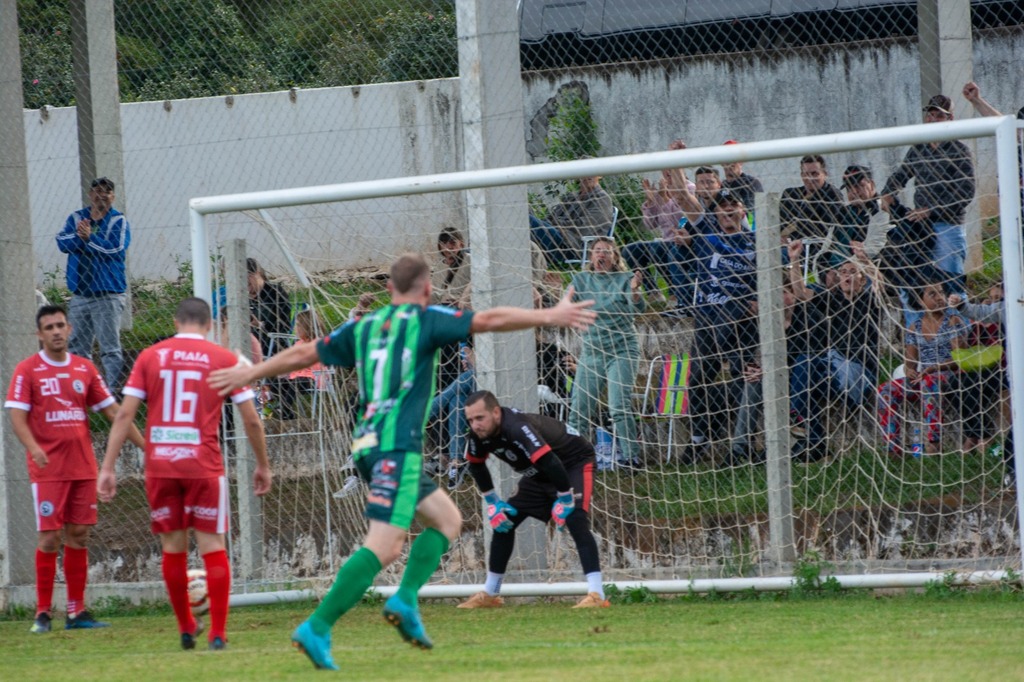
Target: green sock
x: 424, y: 556
x: 351, y: 583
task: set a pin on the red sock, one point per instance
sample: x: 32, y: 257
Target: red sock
x: 218, y: 587
x: 46, y: 570
x: 175, y: 568
x: 76, y: 572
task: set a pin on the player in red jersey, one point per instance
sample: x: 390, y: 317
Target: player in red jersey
x: 185, y: 481
x: 48, y: 400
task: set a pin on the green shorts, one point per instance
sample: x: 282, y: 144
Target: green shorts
x: 397, y: 484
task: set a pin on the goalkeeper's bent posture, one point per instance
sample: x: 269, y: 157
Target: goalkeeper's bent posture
x: 557, y: 466
x: 394, y: 351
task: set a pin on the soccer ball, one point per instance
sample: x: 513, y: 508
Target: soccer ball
x: 197, y: 595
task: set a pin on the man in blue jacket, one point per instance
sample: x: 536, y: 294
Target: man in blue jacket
x: 96, y: 239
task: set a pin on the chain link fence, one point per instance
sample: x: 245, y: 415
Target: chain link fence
x: 226, y: 96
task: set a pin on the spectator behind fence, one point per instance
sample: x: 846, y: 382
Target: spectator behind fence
x: 724, y: 326
x: 813, y: 209
x: 846, y: 367
x: 943, y: 175
x: 96, y: 239
x: 587, y: 212
x: 803, y: 339
x: 255, y: 350
x: 987, y: 315
x: 308, y: 328
x: 663, y: 216
x: 450, y: 276
x: 270, y: 307
x: 447, y: 409
x: 862, y: 206
x: 611, y: 350
x: 744, y: 185
x: 929, y: 372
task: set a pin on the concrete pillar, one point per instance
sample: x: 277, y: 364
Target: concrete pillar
x: 98, y: 103
x: 243, y: 463
x: 491, y: 96
x: 946, y: 58
x: 17, y: 341
x: 775, y: 395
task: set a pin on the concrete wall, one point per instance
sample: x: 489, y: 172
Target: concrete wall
x: 181, y: 149
x: 806, y: 91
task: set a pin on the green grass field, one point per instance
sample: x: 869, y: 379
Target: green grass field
x: 941, y: 635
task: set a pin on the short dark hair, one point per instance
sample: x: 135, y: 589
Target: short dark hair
x: 103, y: 183
x: 707, y: 170
x: 490, y: 401
x: 813, y: 158
x: 193, y: 311
x: 50, y: 310
x: 407, y: 270
x: 449, y: 235
x: 854, y: 174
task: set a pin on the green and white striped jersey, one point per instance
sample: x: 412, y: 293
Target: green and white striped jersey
x: 394, y: 350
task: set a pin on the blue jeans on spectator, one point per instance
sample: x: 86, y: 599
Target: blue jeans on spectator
x: 813, y: 379
x: 670, y: 259
x: 450, y: 405
x: 98, y: 318
x: 551, y: 240
x: 950, y: 250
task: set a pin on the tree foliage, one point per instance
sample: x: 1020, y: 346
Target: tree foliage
x: 170, y: 49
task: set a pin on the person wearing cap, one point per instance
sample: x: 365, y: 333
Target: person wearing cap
x: 813, y: 209
x: 587, y: 212
x: 725, y: 327
x: 943, y: 175
x: 96, y: 239
x: 862, y: 205
x: 743, y: 184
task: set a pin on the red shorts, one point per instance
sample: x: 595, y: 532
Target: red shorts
x: 58, y: 503
x: 181, y: 503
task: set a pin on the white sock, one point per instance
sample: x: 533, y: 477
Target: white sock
x: 492, y: 585
x: 594, y: 583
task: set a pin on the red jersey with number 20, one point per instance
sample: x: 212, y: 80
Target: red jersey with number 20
x: 56, y: 398
x: 183, y: 412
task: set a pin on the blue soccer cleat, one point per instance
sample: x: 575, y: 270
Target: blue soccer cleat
x: 83, y: 620
x: 407, y: 619
x: 188, y: 639
x: 217, y: 644
x: 316, y: 647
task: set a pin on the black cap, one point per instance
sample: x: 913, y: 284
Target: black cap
x: 854, y: 174
x: 104, y: 183
x: 727, y: 196
x: 940, y: 102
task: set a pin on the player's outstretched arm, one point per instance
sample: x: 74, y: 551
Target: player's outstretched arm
x: 567, y: 313
x: 253, y: 425
x: 106, y: 485
x: 244, y: 372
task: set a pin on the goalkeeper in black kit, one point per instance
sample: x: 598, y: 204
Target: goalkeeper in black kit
x: 557, y: 468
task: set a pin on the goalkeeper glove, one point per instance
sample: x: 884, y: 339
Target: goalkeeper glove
x: 498, y: 512
x: 564, y: 505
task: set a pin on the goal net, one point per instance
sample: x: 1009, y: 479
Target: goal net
x: 779, y: 369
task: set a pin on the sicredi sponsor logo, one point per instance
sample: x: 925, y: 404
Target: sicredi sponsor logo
x: 174, y: 434
x: 160, y: 514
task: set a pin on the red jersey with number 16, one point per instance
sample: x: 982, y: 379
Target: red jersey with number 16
x: 183, y: 412
x: 56, y: 397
